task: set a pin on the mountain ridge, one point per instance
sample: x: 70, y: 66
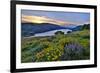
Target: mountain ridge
x: 29, y: 29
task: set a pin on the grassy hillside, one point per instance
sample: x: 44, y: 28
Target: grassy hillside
x: 72, y: 46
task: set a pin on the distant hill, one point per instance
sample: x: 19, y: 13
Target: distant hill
x: 81, y: 27
x: 29, y: 29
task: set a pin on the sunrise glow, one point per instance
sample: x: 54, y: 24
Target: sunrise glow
x: 42, y: 19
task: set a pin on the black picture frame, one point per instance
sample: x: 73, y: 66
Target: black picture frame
x: 13, y: 35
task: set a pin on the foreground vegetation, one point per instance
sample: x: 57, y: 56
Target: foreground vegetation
x: 72, y: 46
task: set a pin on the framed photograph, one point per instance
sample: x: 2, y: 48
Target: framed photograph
x: 52, y: 36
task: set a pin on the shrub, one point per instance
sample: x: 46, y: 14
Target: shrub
x: 69, y: 32
x: 73, y: 51
x: 59, y: 32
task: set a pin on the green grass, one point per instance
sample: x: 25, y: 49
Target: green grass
x: 53, y: 48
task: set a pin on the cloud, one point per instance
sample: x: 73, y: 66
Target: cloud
x: 33, y: 19
x: 42, y: 19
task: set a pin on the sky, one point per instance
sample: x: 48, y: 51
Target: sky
x: 55, y: 17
